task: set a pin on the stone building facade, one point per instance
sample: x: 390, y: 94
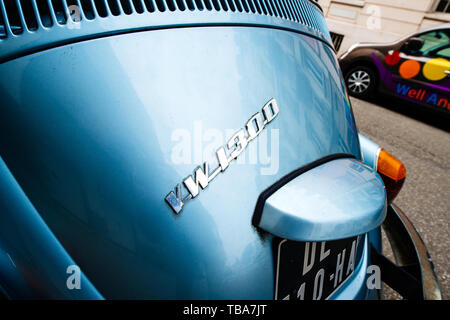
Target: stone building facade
x: 352, y: 21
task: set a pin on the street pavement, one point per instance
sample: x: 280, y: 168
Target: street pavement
x: 421, y: 140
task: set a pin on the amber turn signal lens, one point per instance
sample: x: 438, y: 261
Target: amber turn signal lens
x: 393, y: 173
x: 390, y: 166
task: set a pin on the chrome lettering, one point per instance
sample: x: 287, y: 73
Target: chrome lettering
x: 201, y: 177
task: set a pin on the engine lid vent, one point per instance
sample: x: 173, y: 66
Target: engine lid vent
x: 25, y: 24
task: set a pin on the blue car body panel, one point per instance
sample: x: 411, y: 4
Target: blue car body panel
x: 336, y: 200
x: 95, y: 133
x: 32, y: 261
x: 67, y: 25
x: 369, y: 151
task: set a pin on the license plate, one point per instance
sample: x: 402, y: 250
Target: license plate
x: 313, y: 270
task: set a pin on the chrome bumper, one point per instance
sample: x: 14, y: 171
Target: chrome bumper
x: 412, y: 275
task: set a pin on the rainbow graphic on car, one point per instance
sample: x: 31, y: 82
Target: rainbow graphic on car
x: 431, y: 85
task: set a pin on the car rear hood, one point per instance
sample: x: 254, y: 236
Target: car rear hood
x: 99, y: 132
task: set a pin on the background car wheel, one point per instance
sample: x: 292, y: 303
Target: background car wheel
x: 360, y: 81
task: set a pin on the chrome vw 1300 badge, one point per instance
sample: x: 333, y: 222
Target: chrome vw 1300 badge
x: 202, y: 176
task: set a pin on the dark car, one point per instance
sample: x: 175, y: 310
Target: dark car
x: 415, y: 68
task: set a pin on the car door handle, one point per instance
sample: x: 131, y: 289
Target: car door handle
x: 447, y: 72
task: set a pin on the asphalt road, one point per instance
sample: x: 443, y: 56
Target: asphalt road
x: 421, y: 140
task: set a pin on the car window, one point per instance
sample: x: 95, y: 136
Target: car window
x: 434, y: 41
x: 443, y: 53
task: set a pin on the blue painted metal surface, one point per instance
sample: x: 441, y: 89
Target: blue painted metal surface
x: 61, y: 25
x: 32, y: 261
x: 336, y: 200
x: 97, y: 123
x: 369, y: 150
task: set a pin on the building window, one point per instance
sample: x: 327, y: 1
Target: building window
x: 337, y: 40
x: 443, y: 6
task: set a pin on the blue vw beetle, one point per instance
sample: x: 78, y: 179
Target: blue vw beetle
x: 190, y: 149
